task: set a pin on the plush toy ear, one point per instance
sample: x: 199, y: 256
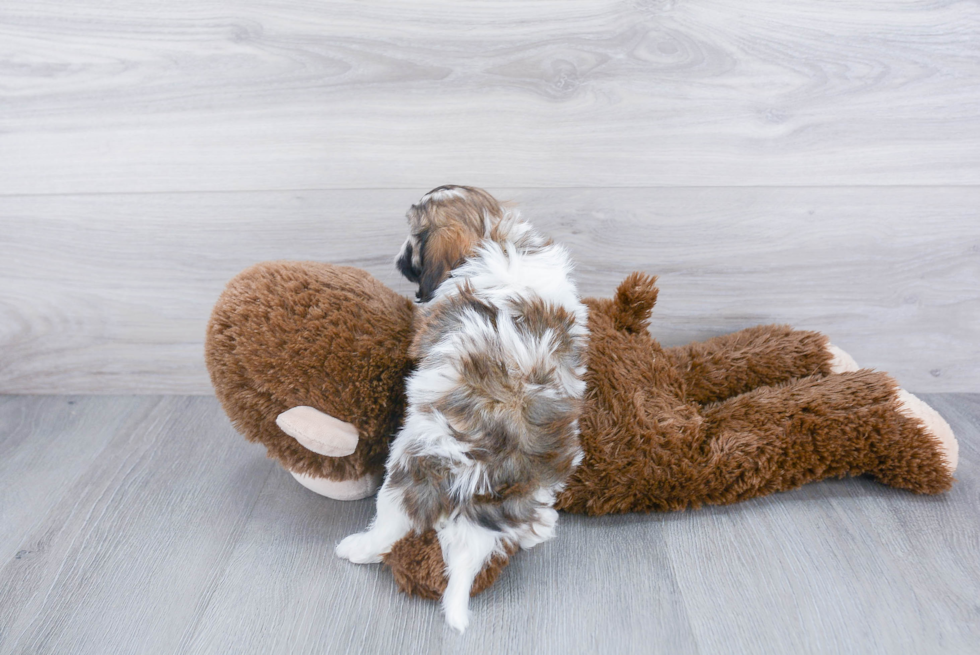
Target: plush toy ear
x: 634, y: 301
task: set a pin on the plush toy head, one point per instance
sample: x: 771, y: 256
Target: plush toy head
x: 286, y: 334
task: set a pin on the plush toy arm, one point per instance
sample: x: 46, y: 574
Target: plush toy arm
x: 729, y: 365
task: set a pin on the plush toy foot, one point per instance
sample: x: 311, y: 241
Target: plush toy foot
x: 419, y: 569
x: 340, y: 489
x: 840, y: 361
x: 935, y: 425
x: 319, y: 432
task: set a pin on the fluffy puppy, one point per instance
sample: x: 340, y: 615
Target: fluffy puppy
x: 491, y: 432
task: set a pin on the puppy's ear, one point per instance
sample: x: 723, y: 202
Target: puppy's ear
x: 435, y: 269
x: 432, y: 277
x: 440, y: 252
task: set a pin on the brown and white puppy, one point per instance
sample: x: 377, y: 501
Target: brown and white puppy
x: 491, y: 432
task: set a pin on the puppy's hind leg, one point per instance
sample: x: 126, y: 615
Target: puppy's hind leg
x: 390, y: 524
x: 466, y: 547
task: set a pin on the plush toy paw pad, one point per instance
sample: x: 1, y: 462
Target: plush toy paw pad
x: 840, y: 361
x: 359, y: 548
x: 935, y: 425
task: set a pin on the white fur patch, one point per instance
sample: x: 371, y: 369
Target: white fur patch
x: 466, y: 547
x: 390, y: 524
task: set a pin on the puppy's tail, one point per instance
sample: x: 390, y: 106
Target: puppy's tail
x: 635, y: 298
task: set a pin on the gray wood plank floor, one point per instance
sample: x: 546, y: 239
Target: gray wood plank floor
x: 147, y: 525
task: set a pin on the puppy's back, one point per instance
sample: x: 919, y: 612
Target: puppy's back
x: 501, y: 366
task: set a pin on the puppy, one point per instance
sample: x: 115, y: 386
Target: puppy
x: 491, y: 432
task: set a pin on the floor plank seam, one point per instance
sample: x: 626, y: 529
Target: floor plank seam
x: 191, y: 633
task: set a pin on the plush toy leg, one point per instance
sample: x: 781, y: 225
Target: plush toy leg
x: 767, y: 440
x: 934, y: 424
x: 733, y: 364
x: 774, y: 439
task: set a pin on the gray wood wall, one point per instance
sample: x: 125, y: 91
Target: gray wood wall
x: 773, y: 161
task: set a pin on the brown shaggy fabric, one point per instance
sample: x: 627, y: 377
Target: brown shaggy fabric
x: 285, y: 334
x: 725, y: 420
x: 733, y: 364
x: 650, y: 443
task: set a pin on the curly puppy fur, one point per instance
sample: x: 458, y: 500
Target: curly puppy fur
x: 491, y: 432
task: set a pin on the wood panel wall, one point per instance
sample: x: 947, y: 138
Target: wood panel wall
x: 815, y: 164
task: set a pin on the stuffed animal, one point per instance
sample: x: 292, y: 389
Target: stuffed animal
x: 310, y: 359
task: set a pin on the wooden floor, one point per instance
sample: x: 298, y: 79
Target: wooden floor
x: 147, y: 525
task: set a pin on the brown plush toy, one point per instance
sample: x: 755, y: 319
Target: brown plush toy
x: 310, y: 360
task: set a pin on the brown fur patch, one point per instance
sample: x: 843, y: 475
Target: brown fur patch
x: 520, y: 426
x: 437, y: 320
x: 425, y: 480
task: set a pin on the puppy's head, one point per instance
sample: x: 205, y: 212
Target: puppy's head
x: 444, y: 229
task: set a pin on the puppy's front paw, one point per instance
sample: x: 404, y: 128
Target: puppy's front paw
x: 359, y: 548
